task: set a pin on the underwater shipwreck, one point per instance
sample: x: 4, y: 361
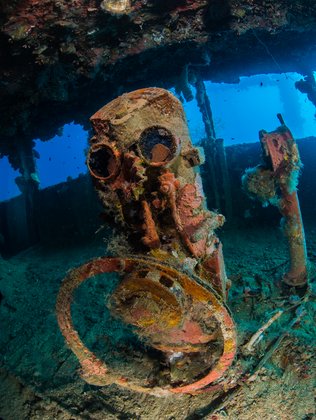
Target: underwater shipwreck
x: 174, y: 276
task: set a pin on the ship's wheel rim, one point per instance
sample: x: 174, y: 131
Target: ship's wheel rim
x: 94, y: 370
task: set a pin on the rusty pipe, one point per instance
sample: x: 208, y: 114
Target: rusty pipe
x: 103, y: 162
x: 289, y: 207
x: 282, y: 156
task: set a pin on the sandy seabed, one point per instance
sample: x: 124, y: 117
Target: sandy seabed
x: 39, y: 374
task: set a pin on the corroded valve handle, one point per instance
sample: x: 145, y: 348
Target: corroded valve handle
x: 94, y: 370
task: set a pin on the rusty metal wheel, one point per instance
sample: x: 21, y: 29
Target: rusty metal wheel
x: 175, y: 312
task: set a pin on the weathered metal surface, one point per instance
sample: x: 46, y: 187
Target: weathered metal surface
x: 141, y: 163
x: 185, y: 332
x: 140, y: 148
x: 275, y: 182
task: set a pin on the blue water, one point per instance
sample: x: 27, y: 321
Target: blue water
x: 239, y: 112
x: 62, y: 157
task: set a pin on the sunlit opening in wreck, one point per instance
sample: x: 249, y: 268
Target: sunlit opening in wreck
x: 8, y: 188
x: 241, y: 110
x: 63, y: 157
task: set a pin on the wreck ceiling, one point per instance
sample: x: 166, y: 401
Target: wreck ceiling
x: 61, y: 60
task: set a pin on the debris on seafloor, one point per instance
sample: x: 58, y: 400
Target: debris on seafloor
x: 174, y: 285
x: 275, y: 182
x: 249, y: 347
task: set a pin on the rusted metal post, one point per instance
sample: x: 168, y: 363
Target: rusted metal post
x: 205, y: 108
x: 209, y: 145
x: 221, y: 154
x: 293, y: 228
x: 275, y: 182
x: 215, y: 153
x: 282, y: 154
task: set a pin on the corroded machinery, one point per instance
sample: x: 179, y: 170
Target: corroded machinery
x: 275, y: 182
x: 173, y: 282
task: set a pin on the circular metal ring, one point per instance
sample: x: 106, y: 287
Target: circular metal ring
x: 94, y: 370
x: 158, y: 146
x: 103, y: 162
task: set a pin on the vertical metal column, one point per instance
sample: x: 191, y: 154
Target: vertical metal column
x: 215, y: 153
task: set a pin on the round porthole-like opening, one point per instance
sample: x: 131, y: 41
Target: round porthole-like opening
x: 103, y: 162
x: 157, y: 145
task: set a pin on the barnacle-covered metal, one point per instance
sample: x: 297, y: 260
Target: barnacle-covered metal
x: 173, y: 288
x: 145, y: 170
x: 275, y: 182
